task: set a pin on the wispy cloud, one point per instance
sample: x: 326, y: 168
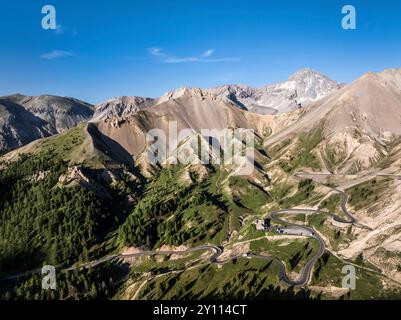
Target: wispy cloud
x: 157, y: 52
x: 58, y: 54
x: 180, y: 60
x: 207, y: 53
x: 204, y: 57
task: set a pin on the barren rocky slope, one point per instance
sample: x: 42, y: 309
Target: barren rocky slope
x: 353, y: 133
x: 25, y: 118
x: 357, y: 124
x: 301, y: 88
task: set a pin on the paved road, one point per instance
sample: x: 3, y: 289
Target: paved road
x: 303, y: 279
x: 344, y: 199
x: 275, y: 216
x: 92, y: 264
x: 306, y: 272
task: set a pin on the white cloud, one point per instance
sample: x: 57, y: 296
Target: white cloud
x: 180, y: 60
x: 204, y: 57
x: 156, y: 52
x: 58, y: 54
x: 207, y: 53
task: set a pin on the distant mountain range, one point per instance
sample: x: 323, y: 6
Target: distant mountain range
x: 25, y: 118
x: 302, y: 88
x: 94, y: 181
x: 340, y: 109
x: 355, y: 120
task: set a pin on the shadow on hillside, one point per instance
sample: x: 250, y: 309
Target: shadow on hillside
x: 110, y: 147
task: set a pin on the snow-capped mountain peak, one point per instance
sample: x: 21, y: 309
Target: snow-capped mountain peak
x: 303, y: 87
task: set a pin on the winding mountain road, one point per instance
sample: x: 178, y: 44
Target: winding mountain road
x: 304, y: 277
x: 92, y: 264
x: 309, y: 232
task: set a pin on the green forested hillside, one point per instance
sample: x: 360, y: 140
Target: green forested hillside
x: 41, y: 222
x: 56, y: 211
x: 171, y: 212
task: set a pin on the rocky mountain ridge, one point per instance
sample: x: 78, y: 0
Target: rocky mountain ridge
x: 27, y: 118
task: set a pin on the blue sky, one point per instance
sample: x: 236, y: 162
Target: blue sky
x: 107, y: 48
